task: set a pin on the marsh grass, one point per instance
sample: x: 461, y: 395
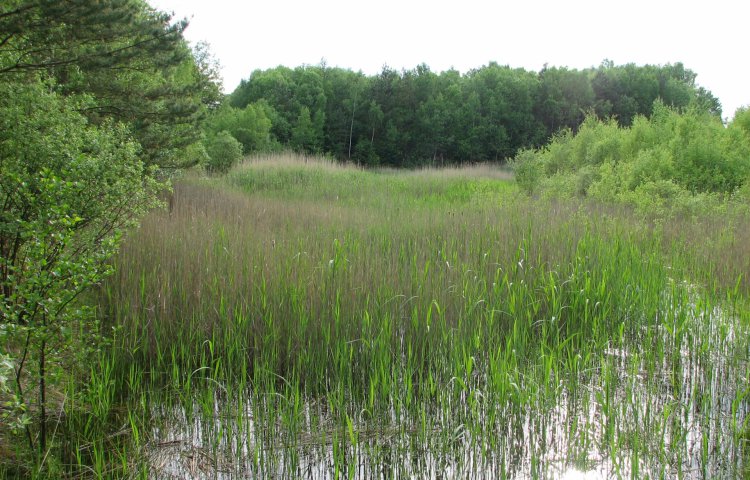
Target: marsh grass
x: 301, y: 319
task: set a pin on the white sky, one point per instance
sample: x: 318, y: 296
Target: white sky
x: 710, y: 38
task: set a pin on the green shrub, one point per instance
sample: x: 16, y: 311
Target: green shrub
x: 195, y: 154
x: 224, y: 151
x: 587, y: 175
x: 609, y: 184
x: 527, y: 168
x: 741, y: 120
x: 669, y: 163
x: 364, y: 154
x: 562, y: 185
x: 649, y: 165
x: 250, y: 126
x: 558, y: 153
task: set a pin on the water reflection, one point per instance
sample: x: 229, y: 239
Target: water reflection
x: 574, y: 474
x: 636, y: 415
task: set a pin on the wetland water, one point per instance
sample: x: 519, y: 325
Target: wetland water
x: 398, y: 333
x: 665, y: 405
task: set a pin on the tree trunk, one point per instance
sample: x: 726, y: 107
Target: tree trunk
x: 42, y: 401
x: 19, y: 387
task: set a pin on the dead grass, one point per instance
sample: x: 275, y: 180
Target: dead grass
x: 290, y: 159
x: 472, y: 171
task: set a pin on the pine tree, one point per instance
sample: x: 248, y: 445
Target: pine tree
x: 130, y: 58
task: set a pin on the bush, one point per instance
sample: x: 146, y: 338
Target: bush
x: 250, y: 126
x: 667, y: 164
x: 195, y: 154
x: 647, y: 166
x: 587, y: 175
x: 742, y: 120
x: 562, y: 185
x: 527, y: 168
x: 224, y: 151
x: 609, y: 184
x: 70, y: 188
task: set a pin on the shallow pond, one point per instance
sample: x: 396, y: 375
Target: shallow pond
x: 672, y: 408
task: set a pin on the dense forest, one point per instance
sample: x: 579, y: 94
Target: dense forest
x: 417, y: 117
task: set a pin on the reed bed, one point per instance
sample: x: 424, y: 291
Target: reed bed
x: 297, y: 319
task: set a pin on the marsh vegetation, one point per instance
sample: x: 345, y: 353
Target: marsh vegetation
x: 298, y: 319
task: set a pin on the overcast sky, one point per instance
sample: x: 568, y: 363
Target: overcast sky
x: 710, y: 38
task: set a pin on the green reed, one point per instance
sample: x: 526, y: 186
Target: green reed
x: 301, y: 319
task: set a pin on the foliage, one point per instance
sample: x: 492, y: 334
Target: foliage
x: 625, y: 92
x: 564, y: 98
x: 195, y: 154
x: 741, y: 121
x: 130, y: 60
x: 93, y: 97
x: 13, y: 412
x: 527, y: 169
x: 303, y: 132
x: 419, y: 117
x: 672, y: 160
x: 68, y: 190
x: 224, y: 151
x: 251, y: 126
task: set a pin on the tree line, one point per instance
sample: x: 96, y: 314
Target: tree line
x: 418, y: 117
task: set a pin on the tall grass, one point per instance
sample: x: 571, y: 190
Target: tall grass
x: 300, y: 319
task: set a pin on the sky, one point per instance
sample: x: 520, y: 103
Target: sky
x: 707, y: 37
